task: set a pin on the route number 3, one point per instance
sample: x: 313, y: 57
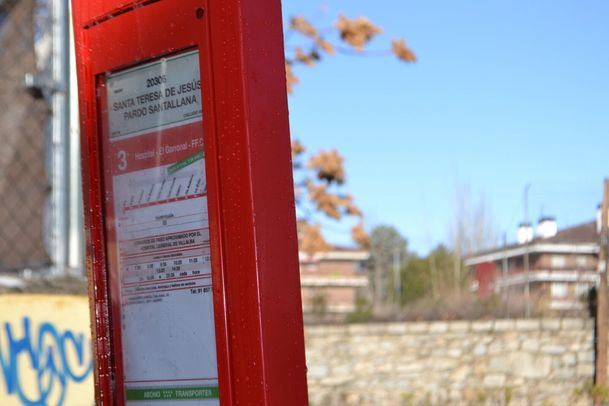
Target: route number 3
x: 122, y: 160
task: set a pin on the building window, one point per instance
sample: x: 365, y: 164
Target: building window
x: 559, y: 289
x: 581, y: 260
x: 558, y: 261
x: 582, y: 289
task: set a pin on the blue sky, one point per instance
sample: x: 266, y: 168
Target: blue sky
x: 504, y: 93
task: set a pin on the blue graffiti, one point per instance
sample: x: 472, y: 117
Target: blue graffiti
x: 55, y: 360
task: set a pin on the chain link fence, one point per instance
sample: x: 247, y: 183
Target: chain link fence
x: 24, y: 113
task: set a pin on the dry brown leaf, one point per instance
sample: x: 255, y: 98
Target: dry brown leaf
x: 326, y: 202
x: 310, y: 238
x: 399, y: 48
x: 351, y: 208
x: 297, y: 148
x: 326, y: 46
x: 329, y: 166
x: 360, y: 236
x: 291, y: 79
x: 308, y: 59
x: 303, y: 26
x: 357, y: 32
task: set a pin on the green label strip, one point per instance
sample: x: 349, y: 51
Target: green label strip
x: 185, y: 162
x: 150, y: 394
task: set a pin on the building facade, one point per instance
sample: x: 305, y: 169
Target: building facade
x: 332, y: 280
x: 557, y: 267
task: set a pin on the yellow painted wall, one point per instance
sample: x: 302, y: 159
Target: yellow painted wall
x: 45, y: 350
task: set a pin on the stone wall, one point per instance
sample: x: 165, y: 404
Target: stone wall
x: 497, y: 362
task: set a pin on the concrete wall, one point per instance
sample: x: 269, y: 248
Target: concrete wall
x: 45, y: 350
x: 515, y: 362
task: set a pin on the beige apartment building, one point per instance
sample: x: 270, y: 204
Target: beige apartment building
x: 562, y: 265
x: 332, y: 280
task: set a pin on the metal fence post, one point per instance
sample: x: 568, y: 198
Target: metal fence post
x: 76, y: 242
x: 60, y: 114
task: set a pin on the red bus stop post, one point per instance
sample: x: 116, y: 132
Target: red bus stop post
x: 256, y: 291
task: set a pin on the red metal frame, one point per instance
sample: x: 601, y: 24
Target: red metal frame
x: 258, y: 318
